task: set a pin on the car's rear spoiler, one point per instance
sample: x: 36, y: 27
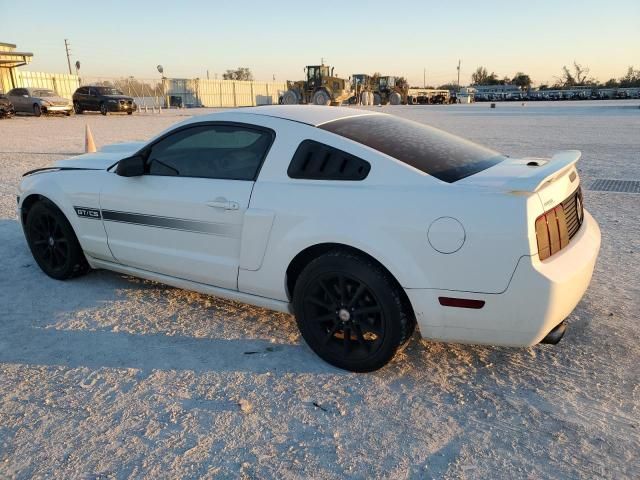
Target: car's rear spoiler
x: 536, y: 177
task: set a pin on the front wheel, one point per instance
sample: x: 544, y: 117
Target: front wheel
x: 290, y: 98
x: 103, y: 109
x: 351, y: 312
x: 130, y: 112
x: 53, y: 243
x: 77, y: 108
x: 37, y: 110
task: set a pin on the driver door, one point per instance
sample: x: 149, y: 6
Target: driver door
x: 184, y: 216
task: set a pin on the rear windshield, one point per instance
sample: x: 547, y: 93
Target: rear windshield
x: 440, y: 154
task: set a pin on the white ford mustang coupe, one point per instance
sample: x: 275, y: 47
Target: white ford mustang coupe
x: 361, y: 224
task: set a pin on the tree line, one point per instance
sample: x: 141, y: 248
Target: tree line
x: 573, y: 76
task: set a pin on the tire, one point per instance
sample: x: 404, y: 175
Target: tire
x: 103, y: 109
x: 395, y: 98
x: 129, y: 112
x: 53, y: 243
x: 321, y: 98
x: 290, y: 98
x: 377, y: 99
x: 77, y: 109
x: 364, y: 98
x: 351, y: 312
x: 37, y: 110
x: 68, y: 113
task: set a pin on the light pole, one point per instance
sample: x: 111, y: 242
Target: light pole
x: 164, y: 86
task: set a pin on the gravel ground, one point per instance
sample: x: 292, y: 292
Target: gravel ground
x: 108, y: 376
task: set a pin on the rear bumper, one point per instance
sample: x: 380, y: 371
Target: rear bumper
x: 540, y: 295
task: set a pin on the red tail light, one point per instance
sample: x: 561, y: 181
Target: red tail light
x: 551, y: 232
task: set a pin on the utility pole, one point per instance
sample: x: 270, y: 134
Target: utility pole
x: 424, y: 78
x: 66, y: 47
x: 458, y: 74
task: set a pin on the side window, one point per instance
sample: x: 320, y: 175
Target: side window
x: 317, y: 161
x: 230, y: 152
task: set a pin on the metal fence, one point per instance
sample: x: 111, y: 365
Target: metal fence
x: 63, y: 85
x: 153, y: 93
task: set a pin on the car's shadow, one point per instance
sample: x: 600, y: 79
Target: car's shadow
x: 109, y: 320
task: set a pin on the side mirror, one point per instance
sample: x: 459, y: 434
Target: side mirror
x: 131, y: 166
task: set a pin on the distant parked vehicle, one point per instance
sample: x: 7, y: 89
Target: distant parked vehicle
x: 38, y: 101
x: 102, y: 99
x: 6, y: 108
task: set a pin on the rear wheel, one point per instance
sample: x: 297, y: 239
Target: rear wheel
x: 395, y: 98
x: 37, y: 110
x: 351, y: 312
x: 129, y: 112
x: 377, y: 99
x: 53, y: 243
x: 321, y: 98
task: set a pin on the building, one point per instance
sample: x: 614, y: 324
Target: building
x: 10, y: 59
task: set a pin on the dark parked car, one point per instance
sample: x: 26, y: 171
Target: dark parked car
x: 6, y: 107
x: 103, y: 100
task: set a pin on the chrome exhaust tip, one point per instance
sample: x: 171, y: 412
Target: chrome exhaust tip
x: 555, y: 335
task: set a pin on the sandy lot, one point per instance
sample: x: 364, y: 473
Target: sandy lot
x: 108, y: 376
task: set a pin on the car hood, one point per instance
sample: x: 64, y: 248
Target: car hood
x: 55, y: 99
x: 102, y: 159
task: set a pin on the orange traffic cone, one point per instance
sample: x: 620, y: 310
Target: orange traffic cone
x: 89, y: 144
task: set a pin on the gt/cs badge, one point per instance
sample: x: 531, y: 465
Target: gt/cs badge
x: 88, y: 212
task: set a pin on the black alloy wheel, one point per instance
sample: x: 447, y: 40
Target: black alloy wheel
x: 350, y: 312
x: 53, y: 243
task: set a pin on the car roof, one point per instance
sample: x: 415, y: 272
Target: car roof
x: 309, y: 114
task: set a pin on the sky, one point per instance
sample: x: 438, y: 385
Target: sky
x: 277, y: 38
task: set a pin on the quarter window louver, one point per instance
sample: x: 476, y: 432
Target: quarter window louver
x: 317, y: 161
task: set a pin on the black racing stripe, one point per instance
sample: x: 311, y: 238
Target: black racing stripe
x: 195, y: 226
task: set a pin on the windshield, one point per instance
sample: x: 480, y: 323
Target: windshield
x: 438, y: 153
x: 108, y: 91
x: 44, y: 93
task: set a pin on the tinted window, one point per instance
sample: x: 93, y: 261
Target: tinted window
x: 213, y: 151
x: 440, y: 154
x: 108, y: 91
x: 316, y: 161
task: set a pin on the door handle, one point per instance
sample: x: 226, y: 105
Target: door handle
x: 226, y: 204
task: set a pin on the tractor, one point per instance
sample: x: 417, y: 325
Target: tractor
x: 362, y: 89
x: 389, y: 90
x: 320, y: 88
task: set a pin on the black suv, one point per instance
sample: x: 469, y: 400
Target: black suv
x: 6, y: 107
x: 102, y: 99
